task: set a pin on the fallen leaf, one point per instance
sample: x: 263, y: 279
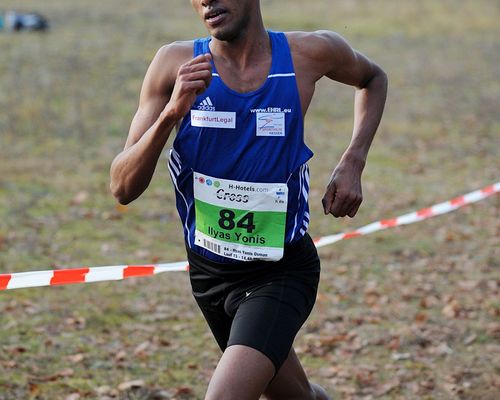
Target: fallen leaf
x: 328, y: 372
x: 364, y: 376
x: 451, y: 310
x: 161, y: 395
x: 493, y: 330
x: 15, y: 349
x: 76, y: 322
x: 183, y: 390
x: 103, y: 390
x: 343, y: 269
x: 80, y: 198
x: 453, y: 389
x: 401, y: 356
x: 441, y: 350
x: 140, y: 349
x: 421, y: 317
x: 121, y: 208
x: 428, y: 302
x: 9, y: 364
x: 333, y: 340
x: 387, y: 387
x: 467, y: 285
x: 394, y: 343
x: 120, y: 356
x: 76, y: 358
x: 470, y: 339
x: 64, y: 373
x: 427, y: 385
x: 34, y: 389
x: 130, y: 385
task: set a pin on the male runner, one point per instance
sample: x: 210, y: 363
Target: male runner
x: 239, y: 167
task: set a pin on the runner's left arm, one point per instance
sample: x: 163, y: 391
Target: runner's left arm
x: 340, y: 62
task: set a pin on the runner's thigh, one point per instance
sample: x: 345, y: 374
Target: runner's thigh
x: 290, y: 383
x: 270, y: 316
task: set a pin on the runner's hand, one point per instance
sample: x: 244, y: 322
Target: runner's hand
x: 343, y: 194
x: 192, y: 79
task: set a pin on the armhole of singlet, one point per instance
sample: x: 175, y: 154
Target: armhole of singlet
x: 287, y: 52
x: 283, y: 52
x: 289, y: 59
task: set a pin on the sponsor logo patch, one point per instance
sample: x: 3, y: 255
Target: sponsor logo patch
x: 270, y: 124
x: 213, y: 119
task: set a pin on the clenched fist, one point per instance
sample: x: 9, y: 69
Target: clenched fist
x: 192, y: 79
x: 343, y: 194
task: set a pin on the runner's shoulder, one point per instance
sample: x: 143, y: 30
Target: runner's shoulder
x: 175, y: 54
x: 163, y: 69
x: 317, y: 44
x: 318, y: 49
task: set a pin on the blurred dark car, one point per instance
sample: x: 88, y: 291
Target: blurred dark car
x: 33, y: 21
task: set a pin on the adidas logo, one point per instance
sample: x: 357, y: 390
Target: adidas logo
x: 206, y: 105
x: 207, y: 102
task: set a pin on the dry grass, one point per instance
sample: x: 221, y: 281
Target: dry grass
x: 404, y: 314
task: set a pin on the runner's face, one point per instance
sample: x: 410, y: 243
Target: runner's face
x: 225, y: 19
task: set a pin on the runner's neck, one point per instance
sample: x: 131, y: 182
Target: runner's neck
x: 253, y: 46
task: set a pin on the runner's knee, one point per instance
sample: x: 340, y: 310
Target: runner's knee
x: 304, y: 396
x: 315, y: 392
x: 319, y: 392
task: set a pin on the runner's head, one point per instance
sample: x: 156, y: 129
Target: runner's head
x: 226, y: 20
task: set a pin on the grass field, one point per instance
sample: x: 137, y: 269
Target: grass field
x: 409, y: 313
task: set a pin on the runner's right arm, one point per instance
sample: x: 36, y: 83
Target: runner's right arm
x: 170, y: 87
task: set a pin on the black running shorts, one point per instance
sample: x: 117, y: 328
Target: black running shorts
x: 260, y: 304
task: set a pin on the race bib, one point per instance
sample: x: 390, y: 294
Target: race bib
x: 240, y: 220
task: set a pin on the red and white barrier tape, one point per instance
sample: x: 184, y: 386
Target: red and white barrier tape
x: 118, y: 272
x: 416, y: 216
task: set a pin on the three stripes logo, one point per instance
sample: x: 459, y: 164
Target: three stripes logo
x: 206, y: 105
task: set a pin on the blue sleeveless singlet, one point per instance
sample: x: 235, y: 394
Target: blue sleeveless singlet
x: 244, y: 137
